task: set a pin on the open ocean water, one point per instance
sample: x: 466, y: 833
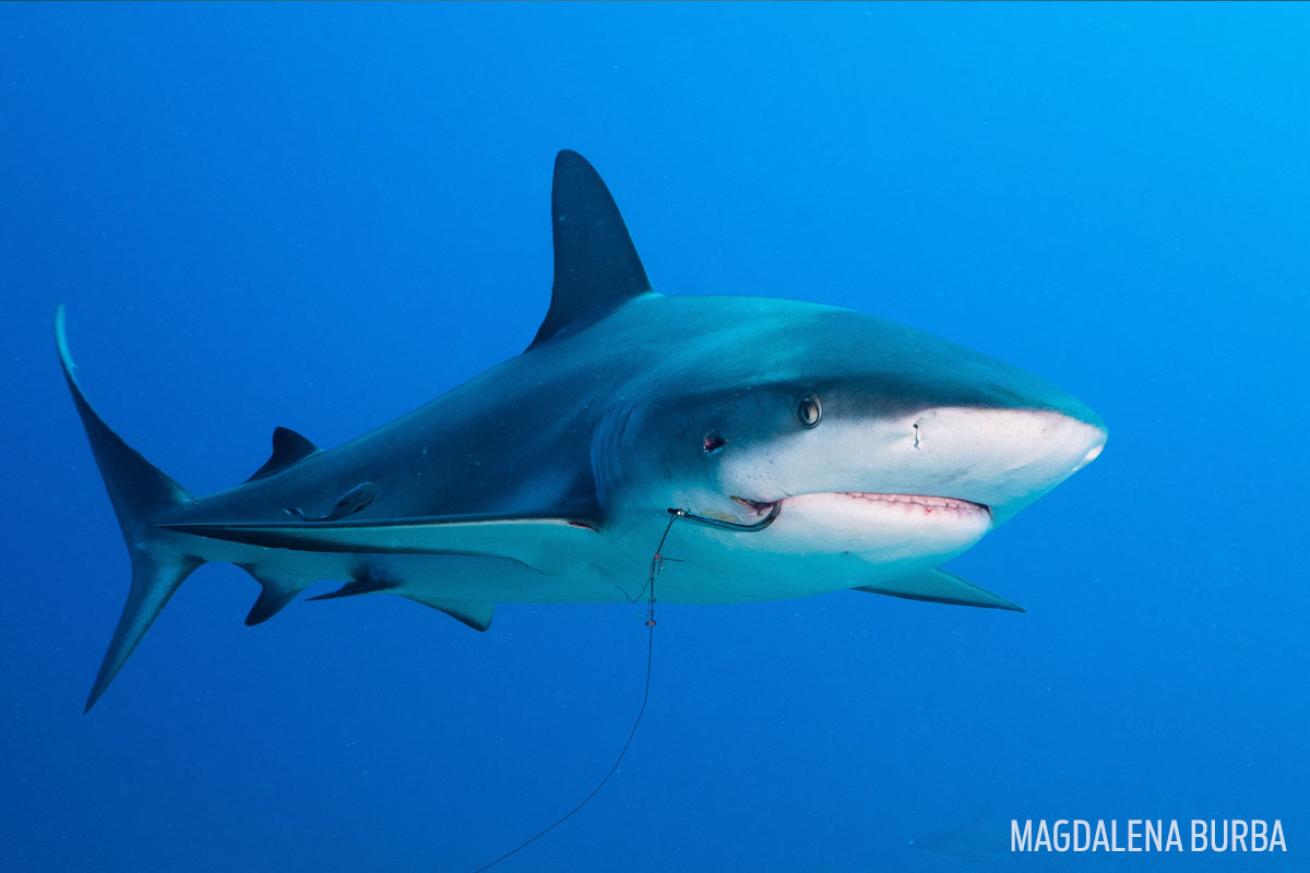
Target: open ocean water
x: 321, y: 216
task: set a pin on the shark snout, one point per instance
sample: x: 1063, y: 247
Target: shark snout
x: 1003, y: 458
x: 1094, y: 449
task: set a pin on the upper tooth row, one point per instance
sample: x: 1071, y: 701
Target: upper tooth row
x: 908, y: 498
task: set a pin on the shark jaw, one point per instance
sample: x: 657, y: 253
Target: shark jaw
x: 940, y: 465
x: 942, y: 479
x: 945, y: 507
x: 870, y: 527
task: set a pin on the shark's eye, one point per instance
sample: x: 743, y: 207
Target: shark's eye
x: 713, y: 442
x: 809, y: 410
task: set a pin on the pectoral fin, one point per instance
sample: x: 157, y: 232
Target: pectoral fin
x: 542, y: 544
x: 939, y: 586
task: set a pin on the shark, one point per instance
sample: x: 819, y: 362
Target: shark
x: 810, y: 449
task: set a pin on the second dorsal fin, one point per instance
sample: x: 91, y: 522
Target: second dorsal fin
x: 596, y: 265
x: 288, y: 448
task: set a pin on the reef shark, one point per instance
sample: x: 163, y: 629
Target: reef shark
x: 819, y: 449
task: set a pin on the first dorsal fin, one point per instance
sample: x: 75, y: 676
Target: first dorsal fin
x: 596, y: 265
x: 288, y: 448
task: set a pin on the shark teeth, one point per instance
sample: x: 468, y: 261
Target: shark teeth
x: 760, y: 506
x: 929, y: 503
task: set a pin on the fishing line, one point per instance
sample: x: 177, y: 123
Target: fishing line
x: 656, y: 565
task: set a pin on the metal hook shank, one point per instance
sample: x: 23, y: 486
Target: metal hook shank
x: 737, y: 526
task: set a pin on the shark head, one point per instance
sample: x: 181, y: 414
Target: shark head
x: 868, y: 440
x: 855, y: 438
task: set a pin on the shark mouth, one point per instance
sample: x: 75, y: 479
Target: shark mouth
x: 925, y: 504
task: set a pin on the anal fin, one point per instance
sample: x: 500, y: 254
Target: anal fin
x: 939, y: 586
x: 278, y: 591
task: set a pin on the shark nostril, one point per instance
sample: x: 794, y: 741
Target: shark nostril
x: 713, y: 442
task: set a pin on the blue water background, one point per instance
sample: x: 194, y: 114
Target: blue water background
x: 321, y: 216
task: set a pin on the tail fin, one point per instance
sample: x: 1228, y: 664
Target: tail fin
x: 138, y: 491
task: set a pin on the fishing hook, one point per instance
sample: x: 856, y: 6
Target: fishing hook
x: 738, y: 526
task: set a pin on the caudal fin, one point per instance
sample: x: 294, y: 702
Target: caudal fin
x: 139, y: 491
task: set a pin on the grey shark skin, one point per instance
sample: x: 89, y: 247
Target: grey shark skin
x: 548, y: 478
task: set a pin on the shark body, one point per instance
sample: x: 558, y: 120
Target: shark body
x: 835, y: 451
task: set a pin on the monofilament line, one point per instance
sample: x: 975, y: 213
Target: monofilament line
x: 656, y: 564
